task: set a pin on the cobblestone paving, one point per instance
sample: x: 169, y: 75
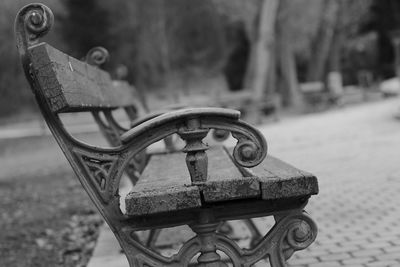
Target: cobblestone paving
x: 355, y: 154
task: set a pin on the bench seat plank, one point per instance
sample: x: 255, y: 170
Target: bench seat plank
x: 163, y: 186
x: 165, y: 183
x: 159, y: 200
x: 281, y: 180
x: 225, y: 181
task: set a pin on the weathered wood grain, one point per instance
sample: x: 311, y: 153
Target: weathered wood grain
x: 225, y: 181
x: 166, y: 180
x: 71, y: 85
x: 280, y: 180
x: 159, y: 200
x: 164, y: 186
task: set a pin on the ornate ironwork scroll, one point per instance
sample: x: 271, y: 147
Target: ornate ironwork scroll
x: 100, y: 171
x: 292, y: 232
x: 109, y: 127
x: 249, y: 151
x: 97, y: 56
x: 32, y: 22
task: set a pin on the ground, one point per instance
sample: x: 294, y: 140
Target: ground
x: 355, y: 154
x: 46, y: 218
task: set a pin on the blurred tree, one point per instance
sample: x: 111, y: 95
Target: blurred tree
x: 14, y: 90
x: 176, y: 36
x: 286, y: 61
x: 195, y: 28
x: 86, y: 25
x: 15, y: 94
x: 261, y: 64
x: 301, y: 19
x: 262, y: 47
x: 351, y: 52
x: 157, y: 39
x: 152, y: 60
x: 384, y: 19
x: 339, y: 22
x: 323, y: 41
x: 239, y: 19
x: 238, y: 55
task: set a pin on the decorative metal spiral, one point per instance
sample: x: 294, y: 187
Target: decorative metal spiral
x: 247, y: 153
x: 97, y: 56
x: 301, y: 233
x: 37, y: 20
x: 32, y: 22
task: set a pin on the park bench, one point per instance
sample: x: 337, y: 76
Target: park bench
x: 202, y: 189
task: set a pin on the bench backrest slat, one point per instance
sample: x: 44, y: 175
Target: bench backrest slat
x: 71, y: 85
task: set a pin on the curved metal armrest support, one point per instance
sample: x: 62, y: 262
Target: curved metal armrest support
x: 154, y: 114
x: 147, y: 117
x: 192, y: 125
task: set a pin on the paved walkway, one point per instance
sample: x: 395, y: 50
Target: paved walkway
x: 355, y: 153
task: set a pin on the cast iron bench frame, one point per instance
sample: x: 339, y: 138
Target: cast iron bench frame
x: 62, y: 84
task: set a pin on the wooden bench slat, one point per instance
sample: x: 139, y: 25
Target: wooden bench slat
x: 72, y: 85
x: 281, y: 180
x: 225, y: 181
x: 159, y: 200
x: 165, y: 183
x: 163, y: 186
x: 167, y: 178
x: 165, y: 169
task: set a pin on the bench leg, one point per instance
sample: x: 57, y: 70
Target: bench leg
x: 293, y: 231
x: 152, y: 239
x: 206, y: 231
x: 224, y: 228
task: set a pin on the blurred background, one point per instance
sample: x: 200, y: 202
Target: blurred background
x: 295, y: 53
x: 315, y: 75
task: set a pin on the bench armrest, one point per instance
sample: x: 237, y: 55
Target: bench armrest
x: 149, y: 116
x: 192, y: 125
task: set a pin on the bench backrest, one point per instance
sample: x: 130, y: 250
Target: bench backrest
x: 71, y: 85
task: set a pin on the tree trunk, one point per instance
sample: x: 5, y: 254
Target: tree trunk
x: 259, y: 67
x: 152, y: 62
x: 338, y: 38
x: 396, y: 45
x: 323, y: 42
x: 287, y: 66
x: 262, y: 48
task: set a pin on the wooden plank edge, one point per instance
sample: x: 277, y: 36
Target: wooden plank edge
x: 156, y: 201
